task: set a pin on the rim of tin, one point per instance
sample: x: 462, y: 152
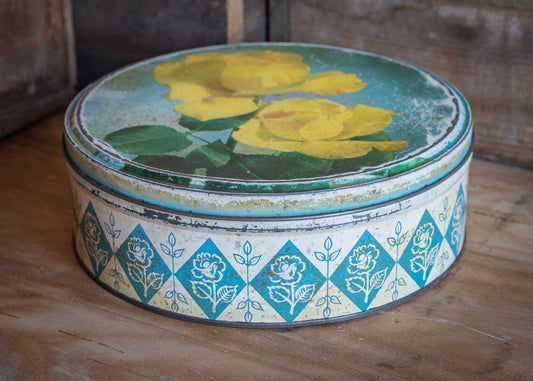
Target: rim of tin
x: 263, y: 325
x: 239, y: 218
x: 213, y: 185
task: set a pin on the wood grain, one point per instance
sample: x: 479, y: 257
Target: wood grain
x: 113, y: 34
x: 36, y: 61
x: 484, y: 47
x: 57, y: 324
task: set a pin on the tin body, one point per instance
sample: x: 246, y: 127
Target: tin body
x: 266, y: 185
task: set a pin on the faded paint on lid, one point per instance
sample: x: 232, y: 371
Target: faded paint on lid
x: 268, y: 118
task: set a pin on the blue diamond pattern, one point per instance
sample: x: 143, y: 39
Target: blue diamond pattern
x: 288, y: 281
x: 420, y: 254
x: 210, y: 279
x: 363, y: 272
x: 96, y: 243
x: 456, y: 225
x: 143, y: 265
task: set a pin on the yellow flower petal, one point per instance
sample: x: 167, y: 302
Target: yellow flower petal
x: 365, y: 120
x: 345, y: 149
x: 335, y: 150
x: 331, y: 83
x: 303, y: 119
x: 251, y: 133
x: 261, y: 70
x: 195, y: 80
x: 201, y: 69
x: 390, y: 146
x: 216, y: 107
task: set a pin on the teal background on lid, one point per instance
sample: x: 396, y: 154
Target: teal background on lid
x: 434, y: 117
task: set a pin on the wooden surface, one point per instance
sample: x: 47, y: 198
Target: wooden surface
x: 57, y: 324
x: 484, y: 47
x: 37, y: 70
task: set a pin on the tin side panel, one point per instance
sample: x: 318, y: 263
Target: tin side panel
x: 253, y: 277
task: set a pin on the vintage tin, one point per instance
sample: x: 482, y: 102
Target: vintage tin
x: 268, y: 184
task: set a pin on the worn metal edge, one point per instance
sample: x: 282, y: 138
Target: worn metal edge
x: 166, y: 210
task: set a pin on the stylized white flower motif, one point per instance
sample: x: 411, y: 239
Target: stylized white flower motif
x: 362, y: 264
x: 458, y: 211
x: 286, y: 270
x: 209, y: 266
x: 423, y: 238
x: 92, y: 229
x: 363, y: 259
x: 140, y: 252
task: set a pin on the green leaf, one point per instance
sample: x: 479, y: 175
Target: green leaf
x: 214, y: 154
x: 147, y: 140
x: 371, y: 159
x: 215, y: 124
x: 375, y: 137
x: 286, y: 165
x: 167, y: 162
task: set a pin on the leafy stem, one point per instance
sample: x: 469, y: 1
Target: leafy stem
x: 396, y: 243
x: 248, y: 262
x: 174, y: 254
x: 327, y: 257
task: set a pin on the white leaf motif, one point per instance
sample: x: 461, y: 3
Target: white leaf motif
x: 227, y: 293
x: 155, y: 280
x: 201, y: 290
x: 279, y: 294
x: 354, y: 286
x: 135, y: 273
x: 433, y: 255
x: 417, y: 264
x: 305, y: 292
x: 377, y: 279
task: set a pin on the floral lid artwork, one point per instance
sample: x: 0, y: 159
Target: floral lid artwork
x: 267, y: 118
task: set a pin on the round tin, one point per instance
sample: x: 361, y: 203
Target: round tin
x: 268, y: 184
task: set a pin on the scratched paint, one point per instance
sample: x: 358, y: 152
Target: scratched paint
x: 269, y: 184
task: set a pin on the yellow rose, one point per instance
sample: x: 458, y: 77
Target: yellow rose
x: 317, y: 127
x: 220, y: 85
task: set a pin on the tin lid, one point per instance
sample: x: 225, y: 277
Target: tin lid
x: 270, y: 129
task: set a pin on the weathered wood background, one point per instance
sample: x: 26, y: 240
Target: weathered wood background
x: 484, y: 47
x: 37, y: 73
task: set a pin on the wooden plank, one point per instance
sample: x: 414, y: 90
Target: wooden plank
x: 113, y: 34
x: 255, y: 20
x: 36, y: 61
x: 484, y: 47
x: 235, y: 16
x: 279, y: 20
x: 56, y: 323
